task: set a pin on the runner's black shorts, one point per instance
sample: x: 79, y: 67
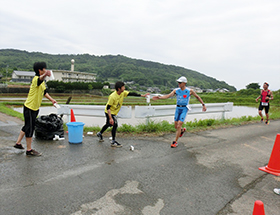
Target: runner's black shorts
x: 108, y: 119
x: 29, y: 121
x: 266, y: 108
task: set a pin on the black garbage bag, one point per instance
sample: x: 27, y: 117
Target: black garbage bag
x: 47, y: 126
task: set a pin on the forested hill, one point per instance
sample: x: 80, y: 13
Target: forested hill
x: 109, y: 67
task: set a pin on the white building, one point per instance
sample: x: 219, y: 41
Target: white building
x: 73, y: 76
x: 59, y: 75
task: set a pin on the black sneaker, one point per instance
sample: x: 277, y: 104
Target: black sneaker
x: 18, y: 146
x: 115, y: 144
x: 33, y: 153
x: 99, y: 135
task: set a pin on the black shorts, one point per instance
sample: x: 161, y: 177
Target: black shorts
x: 266, y: 108
x: 29, y: 121
x: 108, y: 119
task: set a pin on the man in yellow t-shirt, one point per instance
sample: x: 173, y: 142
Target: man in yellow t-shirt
x: 112, y: 108
x: 31, y: 107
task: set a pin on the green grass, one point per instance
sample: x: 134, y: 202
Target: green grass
x: 162, y: 127
x: 4, y: 108
x: 238, y: 98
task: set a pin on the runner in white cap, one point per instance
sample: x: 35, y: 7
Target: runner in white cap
x: 183, y: 97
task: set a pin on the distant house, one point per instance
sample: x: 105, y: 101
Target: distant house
x: 153, y: 89
x: 129, y: 82
x: 224, y: 90
x: 208, y: 91
x: 196, y: 89
x: 22, y: 76
x: 112, y: 85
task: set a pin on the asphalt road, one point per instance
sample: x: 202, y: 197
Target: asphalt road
x: 210, y: 172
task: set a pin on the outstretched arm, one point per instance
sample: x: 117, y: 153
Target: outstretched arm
x: 144, y: 95
x: 199, y: 99
x: 50, y: 98
x: 165, y: 96
x: 136, y: 94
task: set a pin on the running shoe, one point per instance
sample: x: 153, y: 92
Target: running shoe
x: 99, y: 135
x: 182, y: 132
x: 174, y: 144
x: 18, y: 146
x: 267, y: 122
x: 33, y: 153
x: 261, y: 119
x: 277, y: 191
x: 116, y: 144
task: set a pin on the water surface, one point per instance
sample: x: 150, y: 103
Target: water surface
x: 237, y: 111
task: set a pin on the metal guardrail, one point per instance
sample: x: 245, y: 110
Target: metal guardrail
x: 92, y: 111
x: 143, y: 111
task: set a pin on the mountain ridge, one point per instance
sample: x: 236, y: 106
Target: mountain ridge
x: 113, y: 67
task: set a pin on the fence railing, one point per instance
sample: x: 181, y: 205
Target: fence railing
x: 143, y: 111
x: 168, y: 110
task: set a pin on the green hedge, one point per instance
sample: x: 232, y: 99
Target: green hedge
x: 61, y: 86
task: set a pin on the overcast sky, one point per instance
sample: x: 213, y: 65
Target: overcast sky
x: 236, y: 41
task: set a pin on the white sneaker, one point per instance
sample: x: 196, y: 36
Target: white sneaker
x: 277, y: 191
x: 115, y: 144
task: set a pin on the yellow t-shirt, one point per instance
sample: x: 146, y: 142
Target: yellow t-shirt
x: 35, y: 95
x: 116, y: 101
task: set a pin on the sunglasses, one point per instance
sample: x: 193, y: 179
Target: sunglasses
x: 179, y: 82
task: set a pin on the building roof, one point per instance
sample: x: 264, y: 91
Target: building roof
x: 74, y: 72
x: 24, y: 73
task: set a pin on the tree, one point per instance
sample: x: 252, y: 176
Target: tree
x: 253, y: 86
x: 111, y: 67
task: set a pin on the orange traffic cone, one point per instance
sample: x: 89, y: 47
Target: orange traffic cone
x: 72, y: 116
x: 258, y: 208
x: 273, y: 166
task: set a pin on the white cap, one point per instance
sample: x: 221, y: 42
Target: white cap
x: 182, y: 79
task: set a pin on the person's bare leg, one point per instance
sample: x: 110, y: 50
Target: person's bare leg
x: 175, y: 126
x: 260, y: 113
x: 20, y: 137
x: 28, y: 143
x: 267, y: 116
x: 178, y: 126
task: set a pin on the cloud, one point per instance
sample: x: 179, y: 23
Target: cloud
x: 222, y: 39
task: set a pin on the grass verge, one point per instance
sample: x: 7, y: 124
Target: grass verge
x: 159, y: 128
x: 6, y: 109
